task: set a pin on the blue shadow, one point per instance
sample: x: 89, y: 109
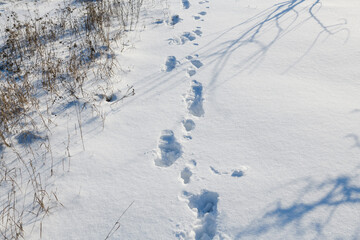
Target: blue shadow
x: 332, y: 194
x: 282, y: 18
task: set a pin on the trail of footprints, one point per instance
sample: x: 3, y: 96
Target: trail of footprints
x: 169, y: 149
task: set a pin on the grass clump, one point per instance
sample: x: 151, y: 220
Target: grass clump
x: 47, y: 61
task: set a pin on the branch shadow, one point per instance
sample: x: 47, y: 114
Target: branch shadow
x: 328, y: 195
x: 282, y: 18
x: 278, y: 20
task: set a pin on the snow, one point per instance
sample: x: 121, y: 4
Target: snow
x: 244, y: 125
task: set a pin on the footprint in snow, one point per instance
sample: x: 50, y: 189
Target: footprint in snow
x: 170, y: 63
x: 185, y: 37
x: 194, y: 99
x: 185, y: 4
x: 198, y: 32
x: 205, y: 204
x: 188, y: 35
x: 189, y: 125
x: 196, y: 63
x: 185, y: 175
x: 173, y: 20
x: 203, y: 13
x: 196, y: 17
x: 169, y: 150
x: 190, y: 72
x: 237, y: 173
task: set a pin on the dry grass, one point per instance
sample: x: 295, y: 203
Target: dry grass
x: 43, y: 61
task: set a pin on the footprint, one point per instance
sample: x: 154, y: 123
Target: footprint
x: 190, y: 72
x: 198, y: 32
x: 196, y: 17
x: 189, y: 36
x: 203, y: 13
x: 204, y: 203
x: 176, y: 41
x: 174, y: 20
x: 185, y: 4
x: 234, y: 173
x: 206, y: 206
x: 194, y: 99
x: 169, y: 149
x: 186, y: 36
x: 189, y: 125
x: 237, y: 173
x: 186, y: 174
x: 198, y: 64
x: 170, y: 63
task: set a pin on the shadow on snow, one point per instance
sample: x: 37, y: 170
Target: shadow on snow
x: 328, y: 195
x: 282, y: 18
x: 278, y: 20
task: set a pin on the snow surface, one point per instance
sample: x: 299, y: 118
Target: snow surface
x: 245, y: 125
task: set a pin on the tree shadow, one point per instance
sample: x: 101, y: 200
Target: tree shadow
x: 328, y: 195
x: 277, y: 20
x: 281, y: 18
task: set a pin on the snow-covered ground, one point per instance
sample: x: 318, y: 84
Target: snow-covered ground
x: 245, y: 125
